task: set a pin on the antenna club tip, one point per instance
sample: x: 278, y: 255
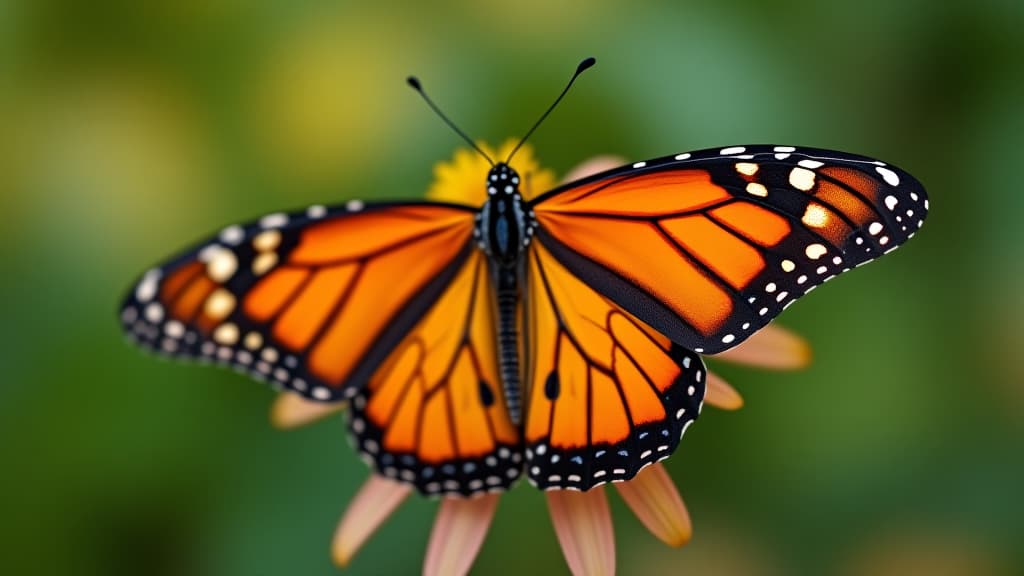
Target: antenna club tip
x: 587, y: 63
x: 414, y: 82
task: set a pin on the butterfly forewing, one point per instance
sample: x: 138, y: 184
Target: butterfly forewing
x: 709, y: 246
x: 312, y: 301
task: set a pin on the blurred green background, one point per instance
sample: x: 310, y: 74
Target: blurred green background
x: 128, y: 131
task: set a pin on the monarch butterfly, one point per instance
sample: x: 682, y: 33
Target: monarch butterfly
x: 557, y: 336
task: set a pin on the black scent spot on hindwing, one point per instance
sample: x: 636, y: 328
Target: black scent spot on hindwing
x: 486, y: 395
x: 551, y: 386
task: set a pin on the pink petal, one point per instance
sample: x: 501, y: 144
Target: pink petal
x: 656, y: 502
x: 772, y: 347
x: 459, y: 531
x: 291, y: 410
x: 376, y: 500
x: 593, y: 166
x: 721, y: 395
x: 584, y: 528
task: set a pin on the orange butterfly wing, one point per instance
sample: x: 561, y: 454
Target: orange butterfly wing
x: 608, y: 394
x: 707, y: 247
x: 312, y: 301
x: 434, y: 414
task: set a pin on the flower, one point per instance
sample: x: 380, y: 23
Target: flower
x: 582, y: 520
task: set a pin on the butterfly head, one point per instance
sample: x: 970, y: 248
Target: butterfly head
x: 502, y: 180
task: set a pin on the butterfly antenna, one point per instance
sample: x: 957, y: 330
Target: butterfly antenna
x: 586, y: 63
x: 415, y: 83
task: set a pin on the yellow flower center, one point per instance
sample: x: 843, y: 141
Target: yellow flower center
x: 463, y: 179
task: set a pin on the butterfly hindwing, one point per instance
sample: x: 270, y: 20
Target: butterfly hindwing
x: 608, y: 394
x: 707, y: 247
x: 434, y: 415
x: 312, y: 301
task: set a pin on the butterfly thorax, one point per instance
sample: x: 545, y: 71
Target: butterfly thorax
x: 504, y: 227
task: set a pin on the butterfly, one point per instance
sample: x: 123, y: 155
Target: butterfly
x: 557, y: 337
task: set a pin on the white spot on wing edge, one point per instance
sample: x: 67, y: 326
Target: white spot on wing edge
x: 275, y: 220
x: 683, y: 156
x: 888, y: 175
x: 146, y: 290
x: 733, y: 150
x: 784, y: 149
x: 815, y: 251
x: 232, y: 235
x: 801, y: 179
x: 639, y: 164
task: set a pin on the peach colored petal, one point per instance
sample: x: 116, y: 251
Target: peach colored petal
x: 656, y: 502
x: 721, y: 395
x: 593, y: 166
x: 290, y: 410
x: 772, y: 347
x: 459, y: 531
x: 584, y: 528
x: 376, y: 500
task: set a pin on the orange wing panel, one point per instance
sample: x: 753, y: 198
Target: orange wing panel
x: 650, y: 194
x: 637, y: 251
x: 362, y: 235
x: 725, y: 254
x: 272, y: 292
x: 385, y: 284
x: 299, y: 324
x: 754, y: 222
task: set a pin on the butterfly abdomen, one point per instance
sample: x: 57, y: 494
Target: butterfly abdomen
x: 508, y: 343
